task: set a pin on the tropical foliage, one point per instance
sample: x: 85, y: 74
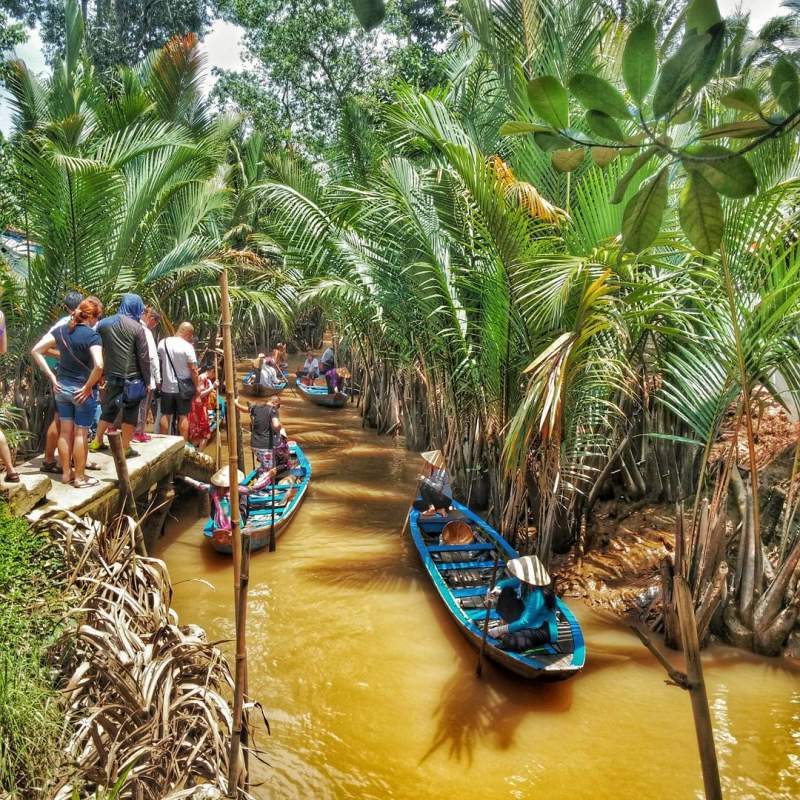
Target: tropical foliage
x: 566, y: 328
x: 130, y: 192
x: 495, y: 294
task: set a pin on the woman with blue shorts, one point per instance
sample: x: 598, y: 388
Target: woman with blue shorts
x: 79, y: 369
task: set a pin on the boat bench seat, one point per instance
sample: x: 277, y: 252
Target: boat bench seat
x: 450, y: 565
x: 436, y: 523
x: 456, y: 548
x: 470, y: 591
x: 266, y: 497
x: 478, y: 615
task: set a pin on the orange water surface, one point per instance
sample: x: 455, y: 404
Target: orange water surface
x: 371, y: 692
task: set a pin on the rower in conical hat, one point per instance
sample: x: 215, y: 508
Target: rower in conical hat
x: 527, y: 604
x: 436, y: 494
x: 221, y: 478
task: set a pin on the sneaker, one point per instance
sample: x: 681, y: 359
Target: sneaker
x: 131, y: 453
x: 96, y: 447
x: 141, y: 438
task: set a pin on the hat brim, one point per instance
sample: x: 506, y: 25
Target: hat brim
x: 529, y: 570
x: 434, y: 458
x: 220, y: 478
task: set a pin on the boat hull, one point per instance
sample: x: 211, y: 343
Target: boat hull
x: 320, y: 396
x: 289, y: 500
x: 259, y: 390
x: 548, y: 663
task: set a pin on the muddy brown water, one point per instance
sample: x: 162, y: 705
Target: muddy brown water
x: 371, y: 691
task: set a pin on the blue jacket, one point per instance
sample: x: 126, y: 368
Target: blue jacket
x: 535, y: 614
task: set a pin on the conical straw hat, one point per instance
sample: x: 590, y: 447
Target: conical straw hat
x: 529, y: 570
x: 220, y: 477
x: 434, y: 458
x: 457, y: 532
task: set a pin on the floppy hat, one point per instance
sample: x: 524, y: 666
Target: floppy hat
x: 529, y: 570
x: 221, y: 480
x: 434, y: 458
x: 457, y: 532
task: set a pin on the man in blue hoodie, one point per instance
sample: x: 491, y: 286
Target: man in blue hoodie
x: 126, y: 359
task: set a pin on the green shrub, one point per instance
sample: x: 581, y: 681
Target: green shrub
x: 31, y: 722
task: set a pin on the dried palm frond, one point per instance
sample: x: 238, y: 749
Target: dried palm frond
x: 526, y: 195
x: 146, y: 698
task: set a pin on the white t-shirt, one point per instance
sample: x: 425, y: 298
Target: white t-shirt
x: 155, y: 363
x: 269, y: 376
x: 327, y: 357
x: 183, y: 356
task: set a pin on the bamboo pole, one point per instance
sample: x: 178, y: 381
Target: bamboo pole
x: 697, y: 689
x: 126, y: 490
x: 240, y: 554
x: 218, y: 437
x: 273, y: 544
x: 479, y: 665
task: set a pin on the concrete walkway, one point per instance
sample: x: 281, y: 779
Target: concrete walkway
x: 38, y: 492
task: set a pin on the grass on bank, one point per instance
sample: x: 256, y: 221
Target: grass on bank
x: 31, y: 613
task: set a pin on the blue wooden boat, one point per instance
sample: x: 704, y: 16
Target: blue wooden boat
x: 320, y: 396
x: 462, y: 575
x: 250, y: 388
x: 289, y: 493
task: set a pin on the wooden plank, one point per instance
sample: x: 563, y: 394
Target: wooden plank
x: 451, y: 565
x: 470, y: 591
x: 479, y: 614
x: 455, y: 548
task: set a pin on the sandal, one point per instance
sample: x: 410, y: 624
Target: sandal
x: 84, y: 484
x: 93, y: 465
x: 11, y: 477
x: 53, y: 467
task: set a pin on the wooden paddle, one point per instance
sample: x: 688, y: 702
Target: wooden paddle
x: 272, y: 543
x: 408, y: 517
x: 479, y: 665
x: 410, y: 509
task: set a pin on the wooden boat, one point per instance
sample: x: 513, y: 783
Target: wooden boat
x: 462, y: 585
x: 289, y: 493
x: 320, y: 396
x: 253, y: 389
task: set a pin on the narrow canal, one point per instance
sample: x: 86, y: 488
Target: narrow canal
x: 371, y: 692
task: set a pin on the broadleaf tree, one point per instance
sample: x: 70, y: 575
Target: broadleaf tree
x: 665, y: 114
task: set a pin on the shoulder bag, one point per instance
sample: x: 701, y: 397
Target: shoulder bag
x: 133, y: 389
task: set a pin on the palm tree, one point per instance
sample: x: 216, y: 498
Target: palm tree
x: 126, y: 188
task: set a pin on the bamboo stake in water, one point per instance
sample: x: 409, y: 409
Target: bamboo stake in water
x: 126, y: 489
x: 218, y: 442
x: 239, y: 558
x: 697, y: 689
